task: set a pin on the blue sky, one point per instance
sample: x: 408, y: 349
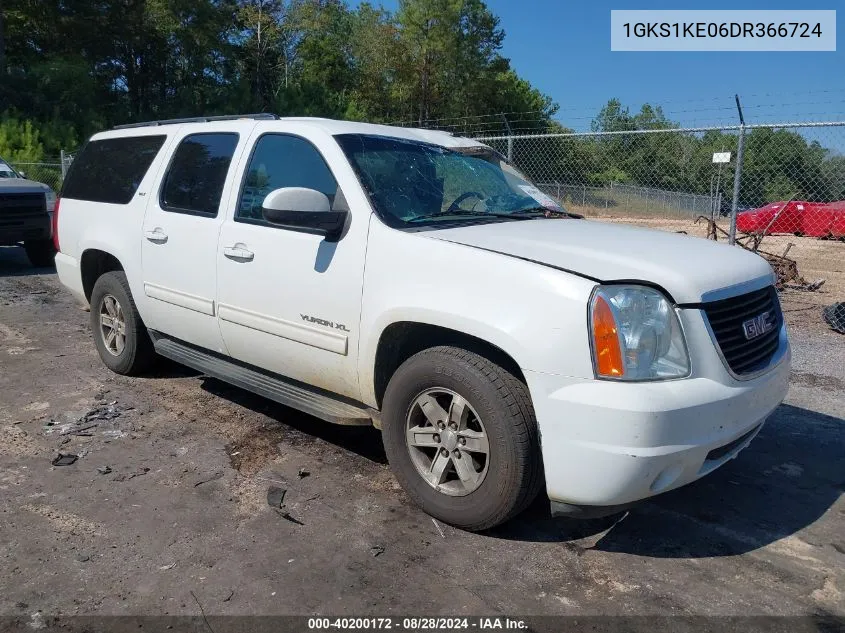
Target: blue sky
x: 563, y: 48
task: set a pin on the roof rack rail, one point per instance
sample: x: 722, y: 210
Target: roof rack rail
x: 199, y: 119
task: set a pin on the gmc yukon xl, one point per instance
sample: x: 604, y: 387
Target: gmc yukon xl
x: 418, y: 282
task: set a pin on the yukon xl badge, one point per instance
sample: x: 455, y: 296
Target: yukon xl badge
x: 757, y: 326
x: 323, y: 322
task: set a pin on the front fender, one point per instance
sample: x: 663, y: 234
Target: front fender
x: 535, y: 314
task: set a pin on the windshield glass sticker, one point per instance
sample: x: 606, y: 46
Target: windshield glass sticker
x: 540, y: 197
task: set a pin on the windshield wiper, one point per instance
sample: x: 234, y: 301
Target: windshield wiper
x: 531, y: 212
x: 540, y: 211
x: 475, y: 214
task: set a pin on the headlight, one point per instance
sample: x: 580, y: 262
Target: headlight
x: 636, y: 335
x: 50, y: 196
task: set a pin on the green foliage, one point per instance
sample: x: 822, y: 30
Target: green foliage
x: 19, y: 141
x: 73, y: 68
x: 96, y: 63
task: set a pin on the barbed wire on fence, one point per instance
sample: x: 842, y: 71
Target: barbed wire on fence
x: 764, y: 108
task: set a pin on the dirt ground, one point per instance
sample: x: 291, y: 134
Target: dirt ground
x: 165, y: 511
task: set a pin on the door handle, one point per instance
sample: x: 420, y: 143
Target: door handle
x: 156, y: 236
x: 238, y: 252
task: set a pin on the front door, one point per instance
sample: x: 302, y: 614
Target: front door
x: 289, y: 301
x: 180, y: 233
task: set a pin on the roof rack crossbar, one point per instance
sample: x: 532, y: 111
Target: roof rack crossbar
x: 199, y: 119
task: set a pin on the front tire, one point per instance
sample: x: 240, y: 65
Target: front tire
x: 41, y: 253
x: 119, y: 333
x: 461, y: 437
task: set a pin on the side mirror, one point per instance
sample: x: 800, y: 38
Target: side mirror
x: 22, y: 174
x: 303, y: 209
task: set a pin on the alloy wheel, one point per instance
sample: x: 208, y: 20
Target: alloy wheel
x: 447, y: 442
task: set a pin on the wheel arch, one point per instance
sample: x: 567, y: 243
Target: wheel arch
x: 93, y: 264
x: 402, y: 339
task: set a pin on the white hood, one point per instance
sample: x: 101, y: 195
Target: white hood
x: 687, y: 267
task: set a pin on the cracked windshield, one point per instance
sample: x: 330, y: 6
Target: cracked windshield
x: 411, y: 183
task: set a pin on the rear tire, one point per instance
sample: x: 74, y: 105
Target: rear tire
x: 444, y: 468
x: 119, y: 333
x: 41, y: 253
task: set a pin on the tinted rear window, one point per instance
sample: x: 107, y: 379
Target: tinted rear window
x: 111, y: 170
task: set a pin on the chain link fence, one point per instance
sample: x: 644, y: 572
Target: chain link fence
x: 788, y: 187
x: 786, y: 180
x: 635, y: 199
x: 49, y: 172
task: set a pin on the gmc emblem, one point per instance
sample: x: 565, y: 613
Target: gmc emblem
x: 757, y: 326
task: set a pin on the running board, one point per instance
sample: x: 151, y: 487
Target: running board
x: 281, y: 390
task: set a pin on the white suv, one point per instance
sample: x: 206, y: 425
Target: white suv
x: 416, y: 281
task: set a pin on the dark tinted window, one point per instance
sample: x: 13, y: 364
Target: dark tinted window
x: 111, y: 170
x: 197, y: 173
x: 282, y: 161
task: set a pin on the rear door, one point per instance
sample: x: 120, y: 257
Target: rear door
x: 181, y: 228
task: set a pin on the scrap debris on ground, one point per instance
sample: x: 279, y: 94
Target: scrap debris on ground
x: 85, y: 423
x: 64, y: 459
x: 276, y: 496
x: 834, y: 316
x: 786, y: 268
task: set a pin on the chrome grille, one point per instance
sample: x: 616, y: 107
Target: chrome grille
x: 726, y: 318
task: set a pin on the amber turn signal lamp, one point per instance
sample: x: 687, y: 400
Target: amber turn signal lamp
x: 607, y: 353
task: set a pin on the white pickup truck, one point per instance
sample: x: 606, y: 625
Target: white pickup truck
x: 416, y: 281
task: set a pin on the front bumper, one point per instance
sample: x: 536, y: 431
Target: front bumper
x: 611, y: 443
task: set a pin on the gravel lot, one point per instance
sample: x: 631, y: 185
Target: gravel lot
x: 166, y: 507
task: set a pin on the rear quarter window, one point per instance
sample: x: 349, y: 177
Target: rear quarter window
x: 111, y: 170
